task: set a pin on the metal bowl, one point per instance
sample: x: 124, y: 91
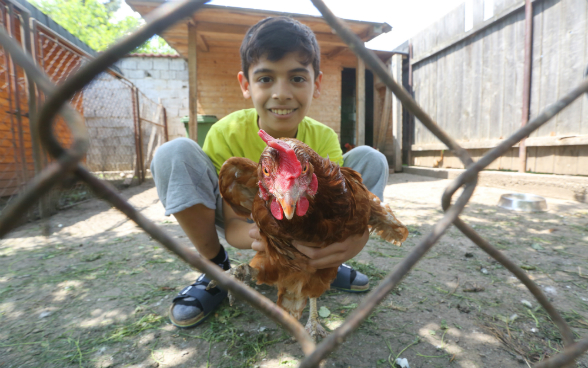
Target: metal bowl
x: 522, y: 202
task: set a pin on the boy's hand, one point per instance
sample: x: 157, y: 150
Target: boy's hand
x: 259, y: 243
x: 334, y: 254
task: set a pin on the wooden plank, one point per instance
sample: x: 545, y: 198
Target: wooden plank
x: 360, y: 104
x: 467, y: 85
x: 545, y: 160
x: 582, y: 160
x: 496, y: 81
x: 550, y: 63
x: 441, y: 46
x: 487, y: 88
x: 572, y: 140
x: 572, y: 65
x: 476, y: 87
x: 396, y: 65
x: 193, y: 81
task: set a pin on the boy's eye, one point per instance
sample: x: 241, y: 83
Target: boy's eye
x: 298, y: 79
x: 264, y: 79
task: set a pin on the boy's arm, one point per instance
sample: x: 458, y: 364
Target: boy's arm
x: 237, y: 228
x: 332, y: 255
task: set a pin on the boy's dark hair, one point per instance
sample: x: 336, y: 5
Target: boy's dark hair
x: 276, y: 37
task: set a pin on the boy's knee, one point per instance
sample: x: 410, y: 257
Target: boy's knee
x: 179, y: 148
x: 175, y: 148
x: 367, y: 155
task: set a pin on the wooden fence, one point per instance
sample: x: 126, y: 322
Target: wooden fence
x: 468, y: 74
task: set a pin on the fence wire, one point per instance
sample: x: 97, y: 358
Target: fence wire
x: 69, y: 161
x: 109, y: 105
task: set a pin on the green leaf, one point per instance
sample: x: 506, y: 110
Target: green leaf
x: 324, y: 312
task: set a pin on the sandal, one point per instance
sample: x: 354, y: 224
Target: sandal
x: 194, y: 303
x: 350, y: 280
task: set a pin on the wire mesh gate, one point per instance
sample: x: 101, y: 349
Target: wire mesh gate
x: 124, y: 126
x: 68, y: 161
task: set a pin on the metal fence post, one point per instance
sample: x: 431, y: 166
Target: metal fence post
x: 165, y: 132
x: 138, y: 143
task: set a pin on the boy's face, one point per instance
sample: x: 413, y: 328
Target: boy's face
x: 281, y: 92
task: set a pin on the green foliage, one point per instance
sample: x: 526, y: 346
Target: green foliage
x: 93, y: 22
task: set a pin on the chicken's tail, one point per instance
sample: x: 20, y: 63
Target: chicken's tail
x: 384, y: 223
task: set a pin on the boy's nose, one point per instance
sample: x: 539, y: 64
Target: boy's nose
x: 282, y: 91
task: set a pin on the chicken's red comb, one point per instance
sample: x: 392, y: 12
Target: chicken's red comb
x: 283, y: 147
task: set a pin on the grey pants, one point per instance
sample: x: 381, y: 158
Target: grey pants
x: 185, y: 176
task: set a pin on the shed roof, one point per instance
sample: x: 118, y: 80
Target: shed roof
x: 225, y: 26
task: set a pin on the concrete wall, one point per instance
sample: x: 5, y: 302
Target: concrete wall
x: 164, y: 78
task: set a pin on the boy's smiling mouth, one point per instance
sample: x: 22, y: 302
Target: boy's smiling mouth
x: 282, y: 112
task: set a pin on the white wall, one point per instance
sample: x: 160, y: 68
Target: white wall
x: 164, y: 78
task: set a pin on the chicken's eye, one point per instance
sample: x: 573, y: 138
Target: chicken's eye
x: 265, y: 171
x: 305, y: 169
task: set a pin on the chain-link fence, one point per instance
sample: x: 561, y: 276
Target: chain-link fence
x: 68, y: 162
x: 125, y: 127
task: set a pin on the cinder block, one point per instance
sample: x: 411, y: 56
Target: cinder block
x: 145, y: 64
x: 174, y: 84
x: 161, y: 64
x: 135, y: 74
x: 171, y: 93
x: 128, y: 63
x: 178, y: 64
x: 166, y: 74
x: 181, y: 75
x: 172, y: 102
x: 155, y: 74
x: 173, y: 111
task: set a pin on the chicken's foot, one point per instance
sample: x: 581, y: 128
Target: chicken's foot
x: 242, y: 272
x: 313, y: 326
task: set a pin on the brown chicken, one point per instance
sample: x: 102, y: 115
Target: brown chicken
x: 294, y: 194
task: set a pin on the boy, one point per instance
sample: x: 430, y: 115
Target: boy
x: 280, y: 73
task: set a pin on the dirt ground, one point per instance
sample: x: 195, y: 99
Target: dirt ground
x: 95, y: 293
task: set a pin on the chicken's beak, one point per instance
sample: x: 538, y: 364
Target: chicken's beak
x: 288, y: 205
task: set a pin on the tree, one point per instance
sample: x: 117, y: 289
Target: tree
x: 92, y: 21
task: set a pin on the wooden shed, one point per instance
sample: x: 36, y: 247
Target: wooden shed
x: 210, y: 41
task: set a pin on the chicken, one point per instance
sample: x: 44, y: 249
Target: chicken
x: 294, y: 194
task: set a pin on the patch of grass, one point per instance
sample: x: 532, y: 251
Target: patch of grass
x: 243, y: 346
x: 92, y: 257
x: 147, y: 322
x: 368, y: 269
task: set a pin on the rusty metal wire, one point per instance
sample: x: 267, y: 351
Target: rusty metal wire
x: 68, y: 160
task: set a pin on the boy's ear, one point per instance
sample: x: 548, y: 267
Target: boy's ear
x: 244, y: 83
x: 317, y: 85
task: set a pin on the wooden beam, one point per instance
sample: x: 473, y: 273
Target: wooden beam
x: 202, y: 44
x: 396, y: 66
x: 360, y: 103
x: 193, y: 82
x: 231, y: 31
x: 571, y: 140
x: 336, y: 52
